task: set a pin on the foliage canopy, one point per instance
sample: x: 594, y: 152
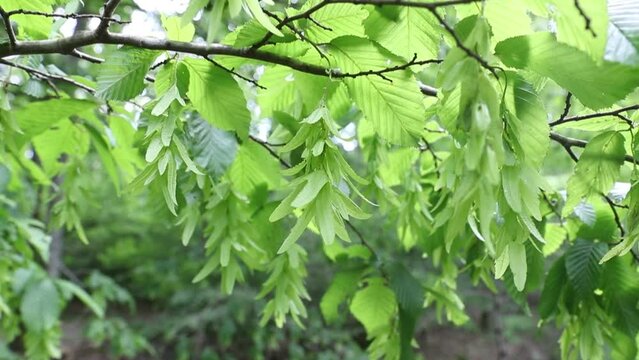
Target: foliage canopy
x: 256, y: 123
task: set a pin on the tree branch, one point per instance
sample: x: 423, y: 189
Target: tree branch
x: 615, y: 113
x: 586, y: 18
x: 65, y: 16
x: 568, y: 143
x: 460, y: 43
x: 109, y: 9
x: 7, y: 24
x: 47, y: 76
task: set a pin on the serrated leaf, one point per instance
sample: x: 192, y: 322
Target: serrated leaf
x: 252, y: 167
x: 38, y: 116
x: 343, y: 284
x: 582, y: 266
x: 217, y: 97
x: 212, y: 149
x: 40, y: 306
x: 413, y: 32
x: 176, y: 30
x: 341, y: 19
x: 596, y: 86
x: 553, y: 285
x: 597, y: 169
x: 394, y: 108
x: 121, y: 76
x: 374, y: 306
x: 529, y: 126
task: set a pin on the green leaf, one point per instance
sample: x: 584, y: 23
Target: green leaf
x: 518, y: 264
x: 570, y: 26
x: 341, y: 19
x: 176, y: 30
x: 410, y: 299
x: 41, y: 115
x: 121, y: 76
x: 212, y: 149
x: 217, y: 97
x: 66, y: 138
x: 37, y: 27
x: 529, y: 128
x: 413, y: 32
x: 83, y: 296
x: 623, y: 36
x: 582, y: 267
x: 394, y: 108
x: 374, y: 307
x: 254, y: 166
x: 596, y: 86
x: 553, y: 285
x: 597, y: 169
x: 343, y: 284
x: 40, y: 306
x: 259, y: 15
x: 314, y: 183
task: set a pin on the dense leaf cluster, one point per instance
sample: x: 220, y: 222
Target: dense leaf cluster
x: 442, y: 118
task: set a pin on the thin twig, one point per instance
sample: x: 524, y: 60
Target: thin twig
x: 109, y: 9
x: 461, y: 45
x: 586, y: 18
x: 45, y: 75
x: 567, y: 105
x: 65, y: 16
x: 568, y: 143
x: 233, y: 72
x: 612, y: 206
x: 615, y: 113
x: 7, y: 24
x: 265, y: 145
x: 84, y: 56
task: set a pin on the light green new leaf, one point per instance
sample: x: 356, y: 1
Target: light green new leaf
x: 597, y: 169
x: 121, y: 76
x: 374, y: 306
x: 341, y: 19
x: 529, y: 127
x: 252, y: 167
x: 177, y: 31
x: 65, y: 138
x: 343, y: 284
x: 217, y: 97
x: 259, y: 15
x: 414, y: 31
x: 596, y: 86
x: 394, y: 108
x: 37, y: 27
x: 517, y: 263
x: 571, y: 25
x: 41, y: 115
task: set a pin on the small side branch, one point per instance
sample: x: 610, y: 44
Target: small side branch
x: 6, y: 18
x: 616, y: 113
x: 47, y: 76
x: 568, y: 143
x: 65, y: 16
x: 586, y: 18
